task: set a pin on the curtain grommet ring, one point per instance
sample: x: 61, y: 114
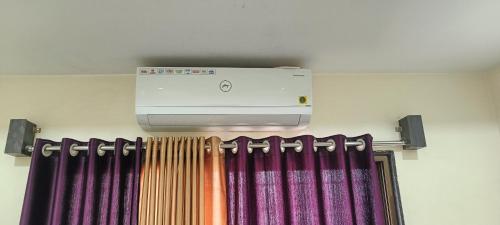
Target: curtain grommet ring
x: 250, y: 150
x: 362, y: 146
x: 282, y: 148
x: 345, y: 146
x: 300, y: 147
x: 46, y: 152
x: 332, y: 146
x: 72, y: 150
x: 266, y: 149
x: 314, y: 145
x: 235, y: 149
x: 101, y: 152
x: 208, y: 146
x: 125, y: 151
x: 221, y: 150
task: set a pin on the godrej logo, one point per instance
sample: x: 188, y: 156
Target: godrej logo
x: 225, y: 86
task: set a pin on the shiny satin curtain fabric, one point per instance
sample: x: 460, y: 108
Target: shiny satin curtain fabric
x: 306, y: 187
x: 82, y: 187
x: 215, y: 184
x: 182, y: 183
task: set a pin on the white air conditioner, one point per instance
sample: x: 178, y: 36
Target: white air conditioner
x: 223, y: 99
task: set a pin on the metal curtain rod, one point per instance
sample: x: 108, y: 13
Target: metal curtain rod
x: 265, y: 145
x: 21, y: 136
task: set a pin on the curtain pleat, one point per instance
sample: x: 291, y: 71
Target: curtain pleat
x: 82, y: 187
x: 136, y: 177
x: 68, y: 200
x: 172, y: 173
x: 195, y: 183
x: 40, y: 189
x: 201, y: 181
x: 145, y: 190
x: 187, y: 183
x: 365, y: 185
x: 169, y: 184
x: 161, y: 193
x: 180, y: 184
x: 215, y: 185
x: 175, y: 168
x: 154, y: 187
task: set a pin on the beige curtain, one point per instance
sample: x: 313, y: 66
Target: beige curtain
x: 215, y: 185
x: 180, y: 180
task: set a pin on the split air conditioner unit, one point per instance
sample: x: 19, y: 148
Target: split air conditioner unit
x: 223, y: 99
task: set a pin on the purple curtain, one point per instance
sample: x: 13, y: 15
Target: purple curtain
x: 307, y: 187
x: 84, y: 189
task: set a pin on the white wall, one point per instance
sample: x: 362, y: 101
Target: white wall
x: 455, y: 180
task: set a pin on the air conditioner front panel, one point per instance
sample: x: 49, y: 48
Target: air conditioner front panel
x: 248, y: 87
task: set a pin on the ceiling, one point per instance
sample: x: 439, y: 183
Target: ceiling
x: 108, y: 37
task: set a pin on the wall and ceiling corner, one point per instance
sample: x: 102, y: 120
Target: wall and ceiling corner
x: 496, y: 92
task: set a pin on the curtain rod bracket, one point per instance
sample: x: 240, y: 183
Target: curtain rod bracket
x: 21, y: 135
x: 412, y: 132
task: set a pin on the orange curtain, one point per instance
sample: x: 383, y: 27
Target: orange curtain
x: 181, y: 183
x: 215, y: 185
